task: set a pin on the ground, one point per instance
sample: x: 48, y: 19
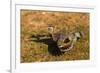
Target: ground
x: 36, y: 22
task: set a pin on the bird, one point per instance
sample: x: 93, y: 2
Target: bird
x: 59, y: 42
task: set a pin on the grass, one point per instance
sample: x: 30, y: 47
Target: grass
x: 36, y: 22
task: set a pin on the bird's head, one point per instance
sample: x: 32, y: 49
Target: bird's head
x: 50, y: 28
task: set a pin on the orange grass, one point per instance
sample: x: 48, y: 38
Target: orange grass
x: 35, y: 22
